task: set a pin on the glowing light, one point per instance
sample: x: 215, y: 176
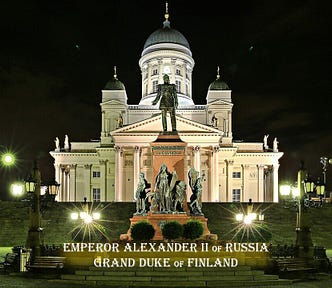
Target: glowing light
x: 285, y: 190
x: 17, y: 189
x: 295, y: 192
x: 88, y: 223
x: 74, y: 216
x: 247, y: 220
x: 83, y: 215
x: 8, y: 159
x: 239, y: 217
x: 96, y: 215
x: 88, y: 219
x: 252, y: 216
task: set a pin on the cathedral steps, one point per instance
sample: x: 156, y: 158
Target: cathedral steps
x: 173, y: 277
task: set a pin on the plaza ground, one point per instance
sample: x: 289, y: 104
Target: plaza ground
x: 58, y: 228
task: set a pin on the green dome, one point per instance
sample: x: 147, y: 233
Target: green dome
x: 114, y: 84
x: 218, y: 84
x: 166, y: 35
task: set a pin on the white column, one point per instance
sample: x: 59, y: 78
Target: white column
x: 244, y: 194
x: 197, y: 158
x: 136, y: 168
x: 72, y: 183
x: 230, y: 180
x: 87, y: 182
x: 275, y: 183
x: 103, y: 192
x: 103, y: 123
x: 118, y: 174
x: 62, y: 184
x: 66, y: 184
x: 57, y: 178
x: 230, y: 124
x: 215, y: 197
x: 260, y: 184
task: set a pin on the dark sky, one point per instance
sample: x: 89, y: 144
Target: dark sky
x: 56, y: 56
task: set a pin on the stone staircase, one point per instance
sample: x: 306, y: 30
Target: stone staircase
x: 173, y: 277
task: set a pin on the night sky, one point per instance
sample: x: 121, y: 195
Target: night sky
x: 56, y: 56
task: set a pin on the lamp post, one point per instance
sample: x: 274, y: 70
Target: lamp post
x: 320, y: 191
x: 87, y: 222
x: 303, y: 234
x: 250, y: 227
x: 32, y: 185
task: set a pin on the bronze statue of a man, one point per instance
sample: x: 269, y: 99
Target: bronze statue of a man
x: 168, y: 102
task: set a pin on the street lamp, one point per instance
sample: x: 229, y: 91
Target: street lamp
x: 32, y: 186
x: 17, y: 189
x: 51, y: 190
x: 250, y: 227
x: 250, y: 216
x: 88, y: 222
x: 320, y: 189
x: 303, y: 233
x: 8, y: 159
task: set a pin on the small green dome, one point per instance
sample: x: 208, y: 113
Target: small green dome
x: 115, y: 83
x: 218, y: 84
x: 166, y: 35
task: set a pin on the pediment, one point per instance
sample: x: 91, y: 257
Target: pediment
x: 112, y: 102
x: 142, y: 133
x: 154, y: 125
x: 220, y: 102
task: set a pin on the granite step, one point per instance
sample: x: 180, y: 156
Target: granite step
x: 179, y: 284
x: 174, y: 277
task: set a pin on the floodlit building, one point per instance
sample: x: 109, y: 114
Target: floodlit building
x: 108, y: 169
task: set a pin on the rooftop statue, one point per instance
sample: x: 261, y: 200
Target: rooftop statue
x: 168, y: 102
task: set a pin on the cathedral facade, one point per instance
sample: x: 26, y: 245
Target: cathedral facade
x: 108, y: 169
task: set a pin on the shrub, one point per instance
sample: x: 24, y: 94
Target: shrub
x: 193, y: 229
x: 172, y: 230
x: 142, y: 231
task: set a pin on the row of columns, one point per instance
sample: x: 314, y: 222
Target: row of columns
x: 66, y: 176
x: 264, y: 183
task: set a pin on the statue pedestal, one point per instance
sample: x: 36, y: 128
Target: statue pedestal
x: 157, y: 220
x: 169, y: 149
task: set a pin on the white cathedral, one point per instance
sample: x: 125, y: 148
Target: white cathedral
x: 108, y: 169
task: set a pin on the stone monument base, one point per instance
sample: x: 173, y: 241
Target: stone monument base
x: 159, y: 219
